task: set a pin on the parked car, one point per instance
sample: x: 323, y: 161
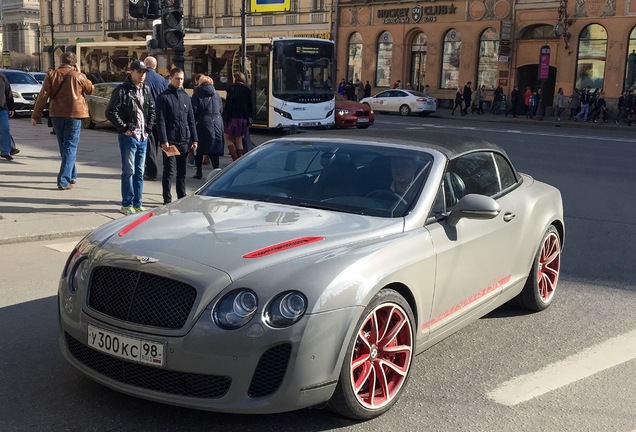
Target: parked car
x: 25, y: 89
x: 97, y: 104
x: 353, y: 114
x: 39, y: 76
x: 404, y: 102
x: 309, y: 272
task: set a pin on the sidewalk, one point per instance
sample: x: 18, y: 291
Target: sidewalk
x: 31, y: 206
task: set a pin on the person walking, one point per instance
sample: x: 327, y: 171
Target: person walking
x: 207, y: 106
x: 497, y: 100
x: 64, y: 88
x: 157, y: 85
x: 467, y: 95
x: 575, y: 103
x: 131, y: 110
x: 479, y: 100
x: 177, y: 131
x: 585, y: 105
x: 560, y: 103
x: 367, y: 90
x: 6, y: 111
x: 236, y: 114
x: 458, y: 102
x: 514, y: 100
x: 527, y: 101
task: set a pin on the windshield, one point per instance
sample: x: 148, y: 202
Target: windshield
x: 302, y: 71
x: 15, y: 77
x: 352, y: 178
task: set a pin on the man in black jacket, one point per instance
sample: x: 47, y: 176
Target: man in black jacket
x: 132, y: 111
x: 175, y: 127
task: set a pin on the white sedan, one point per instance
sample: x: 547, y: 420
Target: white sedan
x: 404, y: 102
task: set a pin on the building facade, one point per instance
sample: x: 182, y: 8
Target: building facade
x: 543, y: 44
x: 20, y: 26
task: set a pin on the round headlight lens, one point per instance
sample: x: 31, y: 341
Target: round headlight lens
x: 78, y: 275
x: 235, y: 309
x: 286, y: 309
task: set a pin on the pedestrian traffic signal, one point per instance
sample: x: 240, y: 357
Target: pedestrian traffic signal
x: 136, y: 8
x: 172, y: 26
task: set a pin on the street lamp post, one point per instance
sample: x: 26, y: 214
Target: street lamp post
x: 37, y: 35
x: 52, y: 34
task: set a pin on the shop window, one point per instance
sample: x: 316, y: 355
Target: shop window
x: 354, y: 57
x: 630, y: 67
x: 449, y: 78
x: 592, y: 51
x: 418, y: 62
x: 383, y: 68
x: 487, y: 62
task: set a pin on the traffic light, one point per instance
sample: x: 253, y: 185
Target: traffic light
x: 136, y: 8
x: 156, y: 41
x: 172, y: 23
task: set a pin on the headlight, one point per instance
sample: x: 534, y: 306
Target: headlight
x: 78, y: 274
x: 235, y: 309
x: 286, y: 309
x: 16, y: 95
x: 343, y: 112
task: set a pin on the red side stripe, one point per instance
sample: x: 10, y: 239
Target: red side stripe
x: 134, y: 224
x: 301, y: 241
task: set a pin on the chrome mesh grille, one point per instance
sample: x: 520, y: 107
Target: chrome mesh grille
x: 149, y: 377
x: 140, y: 298
x: 270, y: 371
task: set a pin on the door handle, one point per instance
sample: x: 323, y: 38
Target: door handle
x: 509, y: 216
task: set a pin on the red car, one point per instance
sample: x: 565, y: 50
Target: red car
x: 350, y: 113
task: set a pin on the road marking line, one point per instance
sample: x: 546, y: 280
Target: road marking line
x: 62, y: 247
x: 597, y: 358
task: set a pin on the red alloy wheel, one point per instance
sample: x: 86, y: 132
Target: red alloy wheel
x: 549, y: 265
x: 382, y: 356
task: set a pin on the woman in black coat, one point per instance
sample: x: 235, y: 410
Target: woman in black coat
x: 236, y: 114
x: 207, y: 106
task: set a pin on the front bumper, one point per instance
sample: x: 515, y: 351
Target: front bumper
x: 255, y: 369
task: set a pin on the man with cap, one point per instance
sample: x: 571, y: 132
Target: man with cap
x: 132, y: 111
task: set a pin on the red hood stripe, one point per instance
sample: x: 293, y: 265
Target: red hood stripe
x: 135, y: 223
x: 279, y: 247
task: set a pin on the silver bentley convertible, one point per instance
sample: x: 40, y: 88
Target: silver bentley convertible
x: 309, y: 273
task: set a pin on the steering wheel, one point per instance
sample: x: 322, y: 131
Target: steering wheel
x: 386, y: 195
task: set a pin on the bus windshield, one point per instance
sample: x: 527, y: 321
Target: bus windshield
x: 302, y: 71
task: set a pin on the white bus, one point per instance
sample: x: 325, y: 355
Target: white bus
x: 291, y: 79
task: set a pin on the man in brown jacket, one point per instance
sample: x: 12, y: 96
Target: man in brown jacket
x: 64, y: 88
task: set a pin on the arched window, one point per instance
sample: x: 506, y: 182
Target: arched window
x: 449, y: 78
x: 383, y: 68
x: 418, y: 61
x: 590, y: 63
x: 487, y: 62
x: 354, y: 57
x: 630, y: 67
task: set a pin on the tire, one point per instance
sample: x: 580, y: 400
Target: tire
x: 538, y: 292
x: 369, y: 356
x: 405, y: 110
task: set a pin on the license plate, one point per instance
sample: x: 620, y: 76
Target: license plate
x: 309, y: 124
x: 363, y: 120
x: 133, y: 349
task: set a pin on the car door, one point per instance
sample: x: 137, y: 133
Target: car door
x: 474, y: 258
x: 379, y: 102
x: 397, y: 99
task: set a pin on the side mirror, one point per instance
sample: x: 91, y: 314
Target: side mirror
x: 213, y: 174
x: 473, y: 206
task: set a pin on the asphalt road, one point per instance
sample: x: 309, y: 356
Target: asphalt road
x: 578, y: 352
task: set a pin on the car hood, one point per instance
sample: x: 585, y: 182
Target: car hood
x: 351, y: 105
x: 26, y: 88
x: 239, y: 236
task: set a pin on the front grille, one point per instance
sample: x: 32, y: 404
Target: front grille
x: 270, y: 371
x: 141, y: 298
x: 148, y: 377
x: 362, y: 113
x: 30, y: 96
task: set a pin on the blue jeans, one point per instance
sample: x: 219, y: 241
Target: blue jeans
x: 585, y: 111
x: 67, y: 132
x: 5, y: 135
x: 133, y: 158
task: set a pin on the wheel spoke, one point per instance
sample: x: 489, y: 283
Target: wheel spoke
x: 380, y: 394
